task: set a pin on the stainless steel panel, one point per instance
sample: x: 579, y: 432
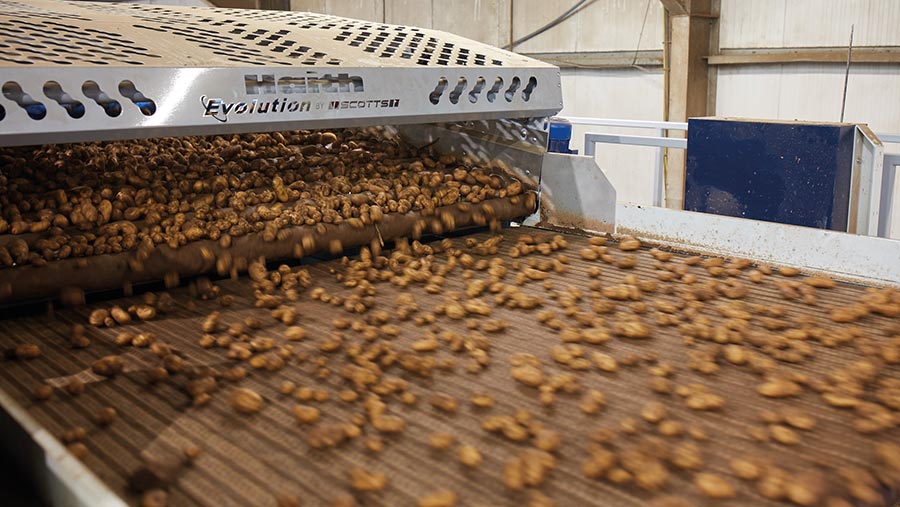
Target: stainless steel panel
x: 512, y: 146
x: 849, y: 256
x: 84, y: 71
x: 575, y: 193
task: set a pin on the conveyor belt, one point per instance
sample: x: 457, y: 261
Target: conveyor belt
x: 251, y: 459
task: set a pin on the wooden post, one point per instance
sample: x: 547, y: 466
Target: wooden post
x: 689, y: 34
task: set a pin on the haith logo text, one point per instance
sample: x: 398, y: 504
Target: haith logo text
x: 268, y: 84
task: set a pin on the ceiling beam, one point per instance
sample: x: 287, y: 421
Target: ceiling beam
x: 803, y: 55
x: 676, y: 7
x: 602, y: 59
x: 700, y: 8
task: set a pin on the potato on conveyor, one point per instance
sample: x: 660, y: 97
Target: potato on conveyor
x: 548, y: 369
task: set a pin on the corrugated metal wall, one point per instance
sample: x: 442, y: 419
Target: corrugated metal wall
x: 781, y: 91
x: 605, y: 25
x: 810, y: 91
x: 808, y: 23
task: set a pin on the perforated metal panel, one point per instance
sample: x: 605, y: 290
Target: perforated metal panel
x: 42, y: 41
x: 77, y: 71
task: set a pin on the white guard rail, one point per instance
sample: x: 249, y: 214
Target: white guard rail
x: 661, y: 141
x: 888, y: 206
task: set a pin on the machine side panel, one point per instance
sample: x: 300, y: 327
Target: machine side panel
x: 576, y: 194
x: 786, y: 172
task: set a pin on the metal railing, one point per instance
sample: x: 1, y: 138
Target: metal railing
x: 889, y: 138
x: 661, y: 141
x: 888, y: 177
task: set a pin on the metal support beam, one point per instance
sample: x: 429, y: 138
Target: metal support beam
x: 890, y: 170
x: 790, y: 55
x: 690, y: 33
x: 668, y: 142
x: 633, y: 124
x: 676, y: 7
x: 601, y: 59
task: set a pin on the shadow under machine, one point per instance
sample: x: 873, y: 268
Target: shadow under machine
x: 278, y: 258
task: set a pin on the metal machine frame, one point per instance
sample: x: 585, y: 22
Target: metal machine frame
x: 171, y: 71
x: 85, y: 71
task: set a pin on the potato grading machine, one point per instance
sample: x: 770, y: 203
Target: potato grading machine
x: 262, y: 258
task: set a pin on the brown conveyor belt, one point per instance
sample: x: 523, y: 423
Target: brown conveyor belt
x: 112, y: 271
x: 248, y: 460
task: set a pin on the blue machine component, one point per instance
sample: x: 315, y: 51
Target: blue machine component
x: 560, y: 135
x: 785, y: 172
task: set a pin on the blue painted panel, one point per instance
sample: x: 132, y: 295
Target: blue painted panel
x: 785, y: 172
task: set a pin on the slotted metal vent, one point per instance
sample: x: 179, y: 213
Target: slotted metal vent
x: 385, y: 41
x: 410, y: 43
x: 237, y: 42
x: 29, y: 40
x: 13, y: 8
x: 79, y: 71
x: 229, y: 37
x: 207, y: 37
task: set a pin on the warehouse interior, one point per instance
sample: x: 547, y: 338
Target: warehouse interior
x: 340, y: 253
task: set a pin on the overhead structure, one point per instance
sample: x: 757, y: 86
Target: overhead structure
x: 84, y: 71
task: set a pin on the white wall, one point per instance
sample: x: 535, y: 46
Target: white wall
x: 181, y: 3
x: 812, y: 92
x: 605, y: 25
x: 624, y: 94
x: 808, y: 23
